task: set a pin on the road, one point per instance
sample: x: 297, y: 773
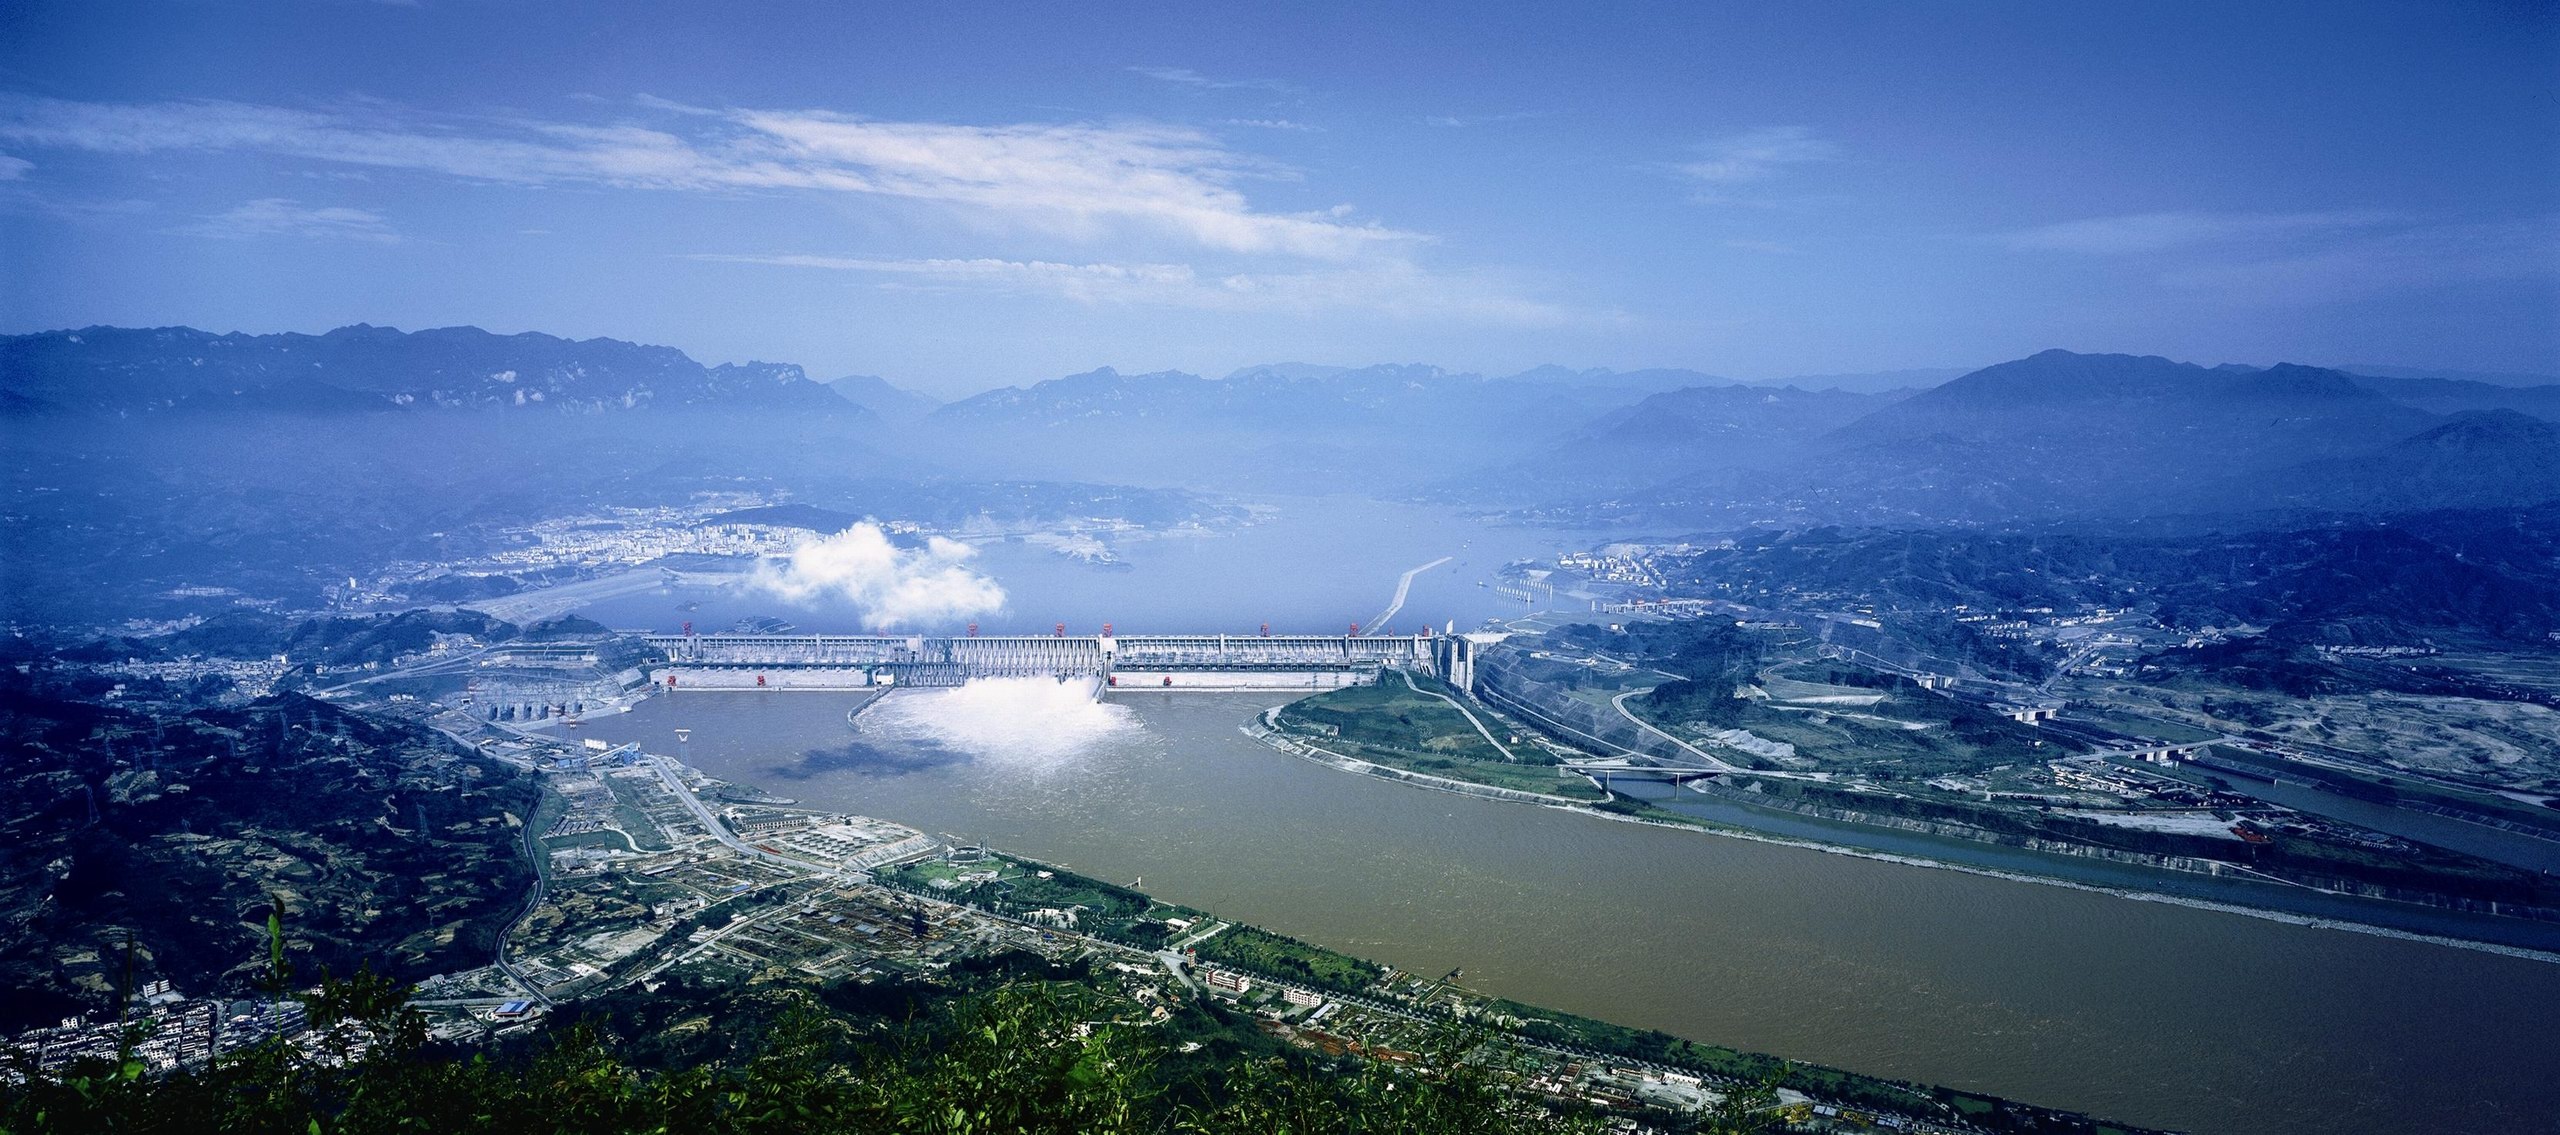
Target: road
x: 1463, y: 711
x: 1620, y: 701
x: 532, y: 858
x: 1404, y: 587
x: 667, y: 767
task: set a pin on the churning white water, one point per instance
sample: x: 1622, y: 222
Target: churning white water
x: 1036, y: 722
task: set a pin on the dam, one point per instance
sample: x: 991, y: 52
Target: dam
x: 1182, y: 662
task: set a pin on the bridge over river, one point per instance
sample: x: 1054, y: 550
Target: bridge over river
x: 1195, y: 662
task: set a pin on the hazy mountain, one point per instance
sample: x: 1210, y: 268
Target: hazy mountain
x: 1713, y: 422
x: 1299, y: 396
x: 893, y: 403
x: 2481, y: 459
x: 1266, y: 426
x: 1291, y: 370
x: 2490, y: 377
x: 180, y: 370
x: 1654, y: 380
x: 1875, y: 382
x: 2455, y: 395
x: 1686, y: 432
x: 2061, y: 432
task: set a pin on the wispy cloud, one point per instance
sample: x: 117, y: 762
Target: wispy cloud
x: 1187, y: 77
x: 278, y: 216
x: 12, y: 169
x: 1459, y: 122
x: 1754, y: 155
x: 2138, y: 233
x: 1390, y: 288
x: 1074, y: 179
x: 1177, y: 191
x: 1275, y: 124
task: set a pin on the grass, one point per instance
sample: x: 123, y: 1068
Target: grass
x: 1391, y: 715
x: 1284, y: 957
x: 1405, y: 728
x: 635, y: 822
x: 1018, y: 888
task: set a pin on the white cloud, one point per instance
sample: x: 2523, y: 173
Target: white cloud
x: 278, y: 216
x: 888, y: 586
x: 1756, y: 154
x: 12, y: 169
x: 1275, y: 124
x: 1068, y: 176
x: 1391, y: 288
x: 2138, y: 233
x: 1455, y: 122
x: 1075, y: 179
x: 1187, y: 77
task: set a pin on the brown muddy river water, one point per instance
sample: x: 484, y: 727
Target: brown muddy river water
x: 2147, y: 1012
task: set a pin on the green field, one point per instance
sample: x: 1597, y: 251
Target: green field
x: 1397, y: 723
x: 1288, y: 959
x: 1020, y: 887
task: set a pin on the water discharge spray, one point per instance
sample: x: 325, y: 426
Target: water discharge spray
x: 1035, y: 723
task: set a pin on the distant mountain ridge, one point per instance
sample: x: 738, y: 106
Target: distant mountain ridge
x: 2066, y: 434
x: 2054, y: 434
x: 2480, y: 458
x: 1290, y: 396
x: 2065, y: 431
x: 362, y: 368
x: 890, y: 401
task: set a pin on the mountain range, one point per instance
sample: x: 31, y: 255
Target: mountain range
x: 2120, y: 435
x: 2054, y: 434
x: 180, y: 371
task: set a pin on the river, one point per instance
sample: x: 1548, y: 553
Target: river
x: 2148, y: 1012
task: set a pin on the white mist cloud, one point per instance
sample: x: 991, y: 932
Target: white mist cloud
x: 887, y: 585
x: 278, y: 216
x: 1076, y: 179
x: 1756, y: 154
x: 1035, y: 724
x: 2137, y: 233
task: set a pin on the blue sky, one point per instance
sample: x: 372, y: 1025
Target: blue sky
x: 977, y: 195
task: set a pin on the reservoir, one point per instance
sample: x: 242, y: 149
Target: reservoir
x: 1303, y: 565
x: 2143, y: 1011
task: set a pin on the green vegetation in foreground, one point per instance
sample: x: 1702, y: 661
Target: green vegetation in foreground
x: 1022, y: 889
x: 1261, y: 951
x: 1027, y: 1054
x: 1397, y: 723
x: 1133, y: 918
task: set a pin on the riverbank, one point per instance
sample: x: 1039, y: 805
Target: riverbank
x: 2056, y: 994
x: 1029, y: 892
x: 1847, y: 844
